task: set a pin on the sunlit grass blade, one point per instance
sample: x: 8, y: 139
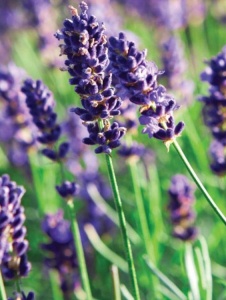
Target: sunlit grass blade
x: 125, y: 292
x: 191, y: 271
x: 110, y: 212
x: 201, y: 268
x: 207, y: 265
x: 165, y: 280
x: 116, y: 282
x: 100, y: 247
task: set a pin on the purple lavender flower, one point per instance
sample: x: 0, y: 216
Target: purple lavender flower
x: 181, y: 194
x: 60, y: 251
x: 41, y: 104
x: 85, y: 46
x: 68, y: 190
x: 214, y: 108
x: 13, y: 246
x: 108, y: 137
x: 138, y: 78
x: 218, y: 158
x: 22, y: 296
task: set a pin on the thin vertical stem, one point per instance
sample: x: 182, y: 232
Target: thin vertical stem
x: 141, y: 212
x: 116, y: 282
x: 198, y: 182
x: 2, y: 288
x: 18, y: 284
x: 127, y: 245
x: 79, y: 250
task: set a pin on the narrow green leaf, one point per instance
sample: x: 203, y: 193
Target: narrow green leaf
x: 100, y: 247
x: 191, y: 271
x: 165, y: 280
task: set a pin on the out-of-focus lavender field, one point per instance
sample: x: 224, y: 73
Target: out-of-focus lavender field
x: 78, y: 93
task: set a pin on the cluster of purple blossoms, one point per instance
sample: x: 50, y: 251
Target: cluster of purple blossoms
x: 40, y: 102
x: 60, y: 251
x: 85, y: 45
x: 17, y: 132
x: 13, y: 246
x: 181, y: 195
x: 214, y: 109
x: 137, y: 80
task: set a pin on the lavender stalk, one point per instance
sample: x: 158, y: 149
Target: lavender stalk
x: 78, y: 246
x: 118, y: 204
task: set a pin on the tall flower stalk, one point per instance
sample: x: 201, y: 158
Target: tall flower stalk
x: 86, y: 48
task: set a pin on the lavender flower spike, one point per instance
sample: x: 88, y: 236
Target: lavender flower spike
x: 180, y: 207
x: 41, y: 104
x: 13, y: 246
x: 137, y: 79
x: 85, y: 45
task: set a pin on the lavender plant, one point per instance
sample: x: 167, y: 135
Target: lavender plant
x: 138, y: 78
x: 85, y: 46
x: 13, y: 251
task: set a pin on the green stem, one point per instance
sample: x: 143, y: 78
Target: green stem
x: 2, y: 288
x: 141, y: 212
x: 128, y: 250
x: 144, y: 223
x: 198, y: 182
x: 79, y: 250
x: 18, y: 284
